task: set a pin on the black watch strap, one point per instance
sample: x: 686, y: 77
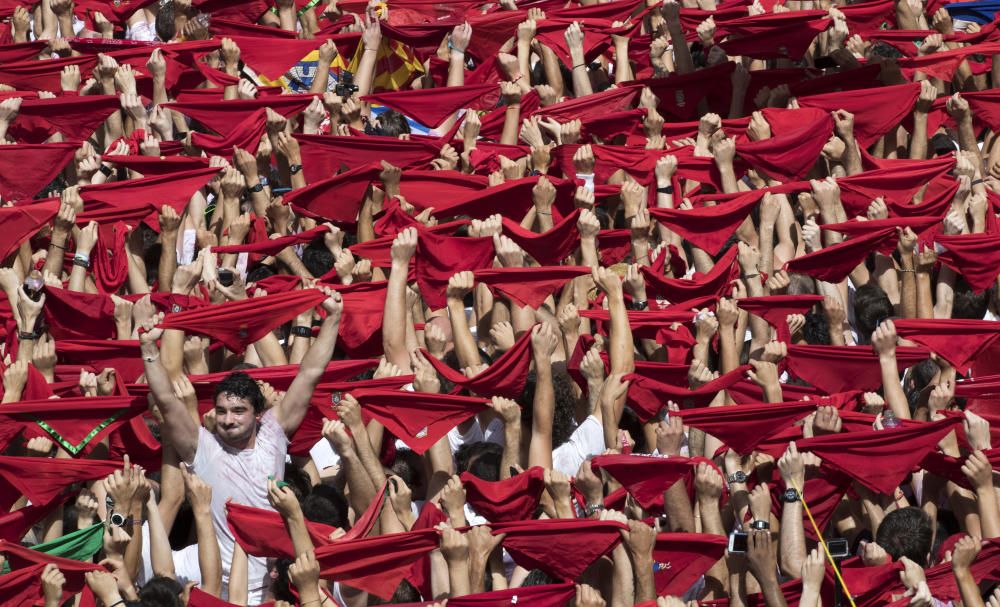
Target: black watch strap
x: 302, y: 331
x: 294, y: 168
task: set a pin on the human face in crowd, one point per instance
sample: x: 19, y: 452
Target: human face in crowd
x: 235, y: 421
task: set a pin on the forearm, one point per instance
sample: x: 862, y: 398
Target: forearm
x: 56, y: 253
x: 511, y: 124
x: 682, y: 54
x: 458, y: 577
x: 168, y: 261
x: 989, y: 515
x: 918, y: 140
x: 366, y: 72
x: 512, y: 448
x: 581, y: 76
x: 793, y: 539
x: 393, y: 325
x: 728, y: 355
x: 677, y: 507
x: 968, y: 588
x: 894, y: 395
x: 368, y: 456
x: 465, y: 345
x: 209, y: 557
x: 908, y: 293
x: 361, y: 492
x: 540, y: 448
x: 321, y: 79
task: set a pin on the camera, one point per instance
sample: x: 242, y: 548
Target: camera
x: 345, y: 85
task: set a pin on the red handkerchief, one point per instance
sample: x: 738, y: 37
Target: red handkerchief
x: 337, y: 198
x: 715, y: 283
x: 513, y: 499
x: 879, y: 459
x: 647, y: 396
x: 647, y: 477
x: 27, y: 168
x: 238, y: 324
x: 505, y: 377
x: 843, y: 368
x: 974, y: 256
x: 709, y: 227
x: 742, y: 427
x: 362, y: 563
x: 417, y: 418
x: 529, y: 287
x: 679, y: 559
x: 433, y: 106
x: 776, y: 308
x: 223, y: 116
x: 959, y: 341
x: 40, y: 479
x: 440, y: 257
x: 834, y: 263
x: 563, y: 548
x: 549, y: 595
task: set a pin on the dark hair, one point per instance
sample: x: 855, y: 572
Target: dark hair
x: 487, y: 465
x: 161, y: 591
x: 906, y: 532
x: 281, y: 586
x: 564, y: 414
x: 967, y: 303
x: 917, y: 379
x: 260, y: 272
x: 165, y: 27
x: 817, y: 329
x: 241, y: 385
x: 467, y: 454
x: 871, y: 306
x: 392, y: 124
x: 317, y: 258
x: 405, y: 593
x: 410, y: 467
x: 326, y: 505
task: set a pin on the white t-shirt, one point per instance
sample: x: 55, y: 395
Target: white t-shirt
x: 586, y: 441
x: 476, y: 434
x: 241, y: 475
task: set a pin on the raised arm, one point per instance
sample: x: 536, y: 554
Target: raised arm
x: 179, y: 428
x: 292, y: 409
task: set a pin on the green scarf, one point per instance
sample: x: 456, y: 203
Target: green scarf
x: 81, y: 545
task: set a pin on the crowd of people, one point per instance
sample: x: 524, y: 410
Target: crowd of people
x: 540, y: 302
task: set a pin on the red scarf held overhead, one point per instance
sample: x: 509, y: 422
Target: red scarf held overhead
x: 775, y: 309
x: 417, y: 418
x: 223, y: 116
x: 974, y: 256
x: 75, y: 117
x: 40, y: 479
x: 563, y: 548
x: 646, y: 478
x: 679, y: 559
x: 334, y: 198
x: 362, y: 563
x: 505, y: 377
x: 245, y: 134
x: 263, y: 533
x: 876, y: 110
x: 238, y: 324
x: 71, y: 421
x: 274, y: 246
x: 799, y: 137
x: 510, y: 199
x: 834, y: 263
x: 959, y: 341
x: 549, y: 595
x: 529, y: 287
x: 325, y: 155
x: 311, y: 429
x: 879, y: 459
x: 440, y: 257
x: 648, y: 397
x: 742, y: 427
x: 76, y: 315
x: 548, y: 248
x: 27, y: 168
x: 715, y: 284
x: 843, y: 368
x: 709, y: 227
x: 513, y: 499
x: 431, y: 107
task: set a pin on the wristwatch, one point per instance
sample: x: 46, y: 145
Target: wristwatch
x: 294, y: 168
x: 593, y: 509
x: 760, y: 525
x: 639, y: 306
x: 738, y: 477
x: 790, y: 496
x: 118, y: 520
x: 302, y: 331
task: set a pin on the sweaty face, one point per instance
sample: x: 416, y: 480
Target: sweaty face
x: 235, y: 421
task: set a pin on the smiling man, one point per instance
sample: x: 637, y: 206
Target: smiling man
x: 249, y: 443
